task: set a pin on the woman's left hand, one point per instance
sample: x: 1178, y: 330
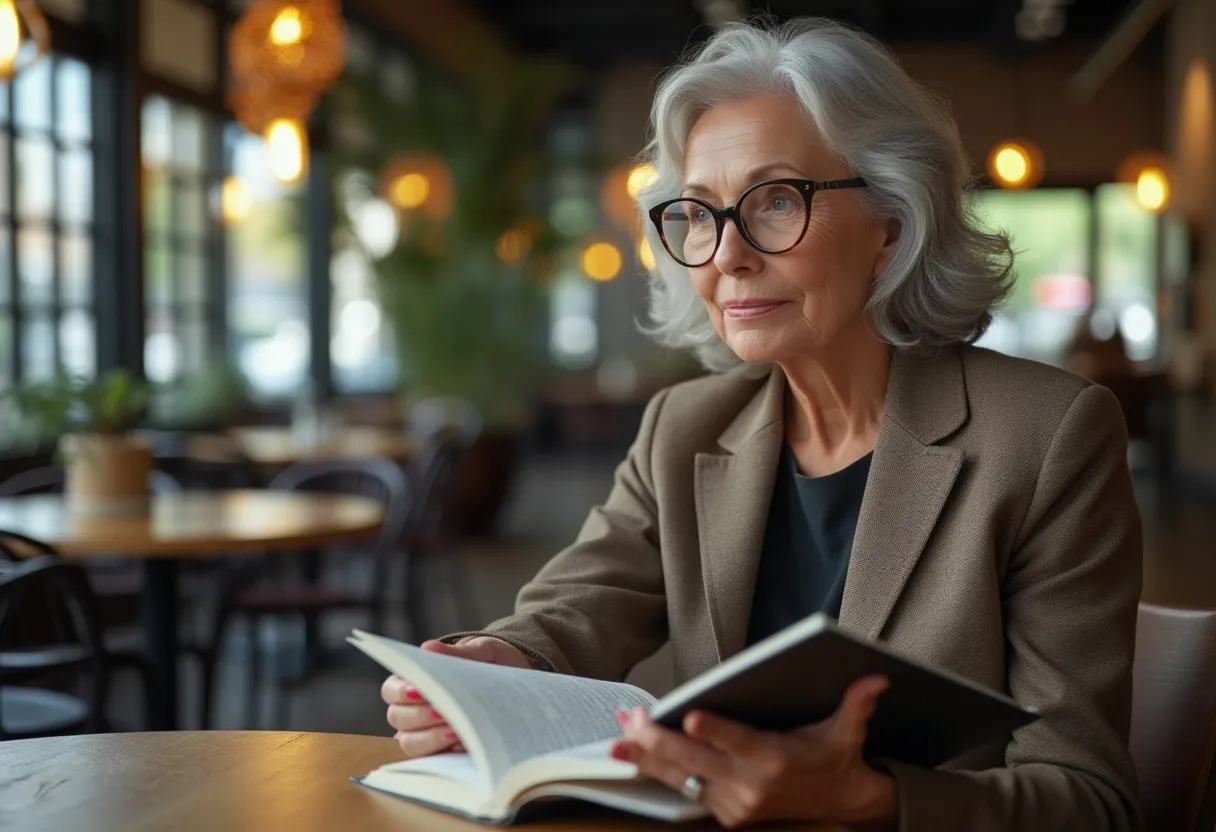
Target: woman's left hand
x: 815, y: 773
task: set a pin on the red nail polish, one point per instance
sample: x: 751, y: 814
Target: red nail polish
x: 412, y: 693
x: 622, y: 716
x: 436, y: 714
x: 619, y: 751
x: 449, y: 734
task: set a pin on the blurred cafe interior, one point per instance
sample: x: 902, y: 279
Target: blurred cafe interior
x: 264, y: 263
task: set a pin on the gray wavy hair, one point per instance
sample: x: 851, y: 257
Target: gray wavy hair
x: 946, y: 273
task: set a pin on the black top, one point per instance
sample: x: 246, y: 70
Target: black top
x: 811, y: 523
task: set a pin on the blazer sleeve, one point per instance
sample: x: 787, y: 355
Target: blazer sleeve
x: 1070, y: 594
x: 599, y: 607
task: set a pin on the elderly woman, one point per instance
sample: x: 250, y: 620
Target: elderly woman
x: 851, y: 453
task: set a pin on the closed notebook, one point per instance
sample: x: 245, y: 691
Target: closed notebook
x: 534, y: 736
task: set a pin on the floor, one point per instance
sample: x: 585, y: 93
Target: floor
x: 546, y: 510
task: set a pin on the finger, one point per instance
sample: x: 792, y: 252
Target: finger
x: 428, y: 741
x: 725, y: 735
x: 860, y: 700
x: 478, y: 649
x: 671, y: 748
x: 659, y: 768
x: 413, y: 717
x: 397, y: 691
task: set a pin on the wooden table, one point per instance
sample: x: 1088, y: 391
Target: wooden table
x: 189, y: 526
x: 229, y: 780
x: 278, y: 447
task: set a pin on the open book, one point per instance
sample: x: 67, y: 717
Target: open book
x: 531, y: 735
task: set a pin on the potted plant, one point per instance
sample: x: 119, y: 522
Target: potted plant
x: 465, y: 287
x: 107, y: 467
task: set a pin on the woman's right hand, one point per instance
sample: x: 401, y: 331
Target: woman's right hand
x: 422, y: 730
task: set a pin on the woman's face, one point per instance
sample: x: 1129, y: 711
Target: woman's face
x: 777, y: 307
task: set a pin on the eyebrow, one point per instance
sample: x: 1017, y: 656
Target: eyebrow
x: 754, y: 175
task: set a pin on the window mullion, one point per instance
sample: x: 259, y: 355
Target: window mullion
x: 13, y: 259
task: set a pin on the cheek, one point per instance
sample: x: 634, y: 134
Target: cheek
x: 828, y: 268
x: 705, y: 284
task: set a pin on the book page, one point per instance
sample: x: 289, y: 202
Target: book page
x: 515, y: 714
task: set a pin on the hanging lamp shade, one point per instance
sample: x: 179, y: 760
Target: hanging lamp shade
x: 21, y: 24
x: 299, y: 44
x: 255, y: 106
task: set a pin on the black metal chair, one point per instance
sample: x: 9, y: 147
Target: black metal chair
x: 48, y: 629
x: 114, y: 582
x: 252, y: 593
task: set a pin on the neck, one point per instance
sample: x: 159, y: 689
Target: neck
x: 836, y: 395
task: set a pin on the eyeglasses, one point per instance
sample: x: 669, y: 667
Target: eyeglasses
x: 771, y: 216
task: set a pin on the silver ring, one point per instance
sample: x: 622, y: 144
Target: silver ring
x: 693, y: 787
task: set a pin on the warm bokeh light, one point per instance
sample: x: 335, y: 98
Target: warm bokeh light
x: 236, y: 201
x: 645, y: 254
x: 10, y: 37
x: 409, y: 190
x: 512, y: 245
x: 1012, y: 164
x: 288, y: 27
x: 601, y: 261
x: 287, y: 149
x: 640, y: 178
x: 1152, y: 189
x: 1015, y: 164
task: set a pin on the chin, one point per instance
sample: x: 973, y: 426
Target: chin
x: 755, y: 347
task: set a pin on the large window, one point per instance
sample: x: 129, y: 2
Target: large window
x: 362, y: 349
x: 268, y: 335
x: 47, y: 317
x: 182, y: 173
x: 1084, y: 259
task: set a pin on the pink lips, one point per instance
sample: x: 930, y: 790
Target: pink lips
x: 751, y: 308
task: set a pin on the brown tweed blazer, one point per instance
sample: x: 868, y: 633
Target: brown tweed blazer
x: 999, y: 538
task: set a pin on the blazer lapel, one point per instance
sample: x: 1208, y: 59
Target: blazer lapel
x: 910, y: 481
x: 733, y: 492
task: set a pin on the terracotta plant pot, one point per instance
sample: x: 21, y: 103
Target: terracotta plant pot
x: 107, y: 475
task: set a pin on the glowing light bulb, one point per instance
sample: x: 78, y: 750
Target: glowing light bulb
x: 288, y: 27
x: 10, y: 37
x: 236, y: 201
x: 1012, y: 165
x: 601, y: 261
x: 1152, y: 189
x: 410, y: 190
x: 640, y: 178
x: 287, y: 149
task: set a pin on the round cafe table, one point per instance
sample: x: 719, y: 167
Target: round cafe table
x: 278, y: 447
x: 189, y: 526
x: 192, y: 781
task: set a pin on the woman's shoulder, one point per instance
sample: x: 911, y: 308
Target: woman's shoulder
x: 1025, y: 396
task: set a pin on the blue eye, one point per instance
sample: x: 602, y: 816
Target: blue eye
x: 781, y: 203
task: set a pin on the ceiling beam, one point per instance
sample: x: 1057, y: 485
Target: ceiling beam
x: 1117, y: 48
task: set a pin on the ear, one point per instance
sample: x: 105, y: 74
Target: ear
x: 891, y: 230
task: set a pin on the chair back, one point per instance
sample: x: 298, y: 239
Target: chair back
x: 13, y: 546
x: 378, y: 479
x: 445, y: 413
x: 52, y: 479
x: 1173, y: 730
x: 445, y: 428
x: 59, y: 593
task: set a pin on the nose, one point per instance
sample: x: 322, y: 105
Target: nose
x: 734, y: 256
